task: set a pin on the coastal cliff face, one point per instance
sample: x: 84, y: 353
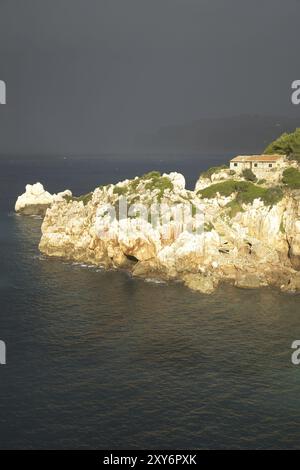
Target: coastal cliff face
x: 36, y: 200
x: 228, y: 235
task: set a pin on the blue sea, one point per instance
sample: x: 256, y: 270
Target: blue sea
x: 98, y: 360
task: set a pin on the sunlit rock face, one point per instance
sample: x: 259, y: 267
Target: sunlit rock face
x: 253, y: 246
x: 36, y: 200
x: 293, y: 230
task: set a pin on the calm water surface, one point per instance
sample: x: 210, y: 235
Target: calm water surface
x: 99, y: 360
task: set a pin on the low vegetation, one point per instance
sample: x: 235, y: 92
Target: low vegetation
x: 249, y: 175
x: 272, y: 196
x: 286, y: 144
x: 233, y: 207
x: 245, y: 192
x: 85, y: 198
x: 161, y: 183
x: 291, y: 178
x: 120, y: 190
x: 214, y: 169
x: 224, y: 188
x: 151, y: 175
x: 208, y: 227
x: 151, y: 181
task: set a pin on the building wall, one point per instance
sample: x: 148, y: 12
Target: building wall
x: 258, y: 168
x: 239, y: 166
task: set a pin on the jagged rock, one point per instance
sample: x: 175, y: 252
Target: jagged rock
x: 200, y: 283
x: 36, y: 200
x: 247, y: 281
x: 278, y: 277
x: 177, y: 179
x: 228, y: 271
x: 294, y: 254
x: 293, y: 284
x: 151, y: 269
x: 259, y: 245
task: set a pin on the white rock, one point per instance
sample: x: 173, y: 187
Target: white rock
x: 36, y: 199
x: 59, y: 197
x: 259, y: 240
x: 177, y: 179
x: 297, y: 226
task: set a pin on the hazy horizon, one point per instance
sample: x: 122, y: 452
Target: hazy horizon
x: 212, y: 136
x: 87, y: 77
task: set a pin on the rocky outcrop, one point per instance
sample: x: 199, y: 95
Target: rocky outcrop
x: 36, y: 200
x: 248, y: 281
x: 292, y: 223
x: 156, y: 228
x: 200, y: 283
x: 214, y: 175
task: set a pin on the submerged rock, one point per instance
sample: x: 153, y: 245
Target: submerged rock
x: 248, y: 281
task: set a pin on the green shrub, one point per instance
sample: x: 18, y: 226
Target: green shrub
x: 234, y: 207
x: 245, y: 191
x: 85, y: 198
x: 156, y: 181
x: 194, y: 210
x: 248, y: 192
x: 120, y: 190
x: 272, y: 196
x: 161, y: 183
x: 151, y: 175
x: 208, y: 227
x: 214, y: 169
x: 132, y: 186
x: 248, y: 175
x: 286, y: 144
x: 291, y: 178
x: 262, y: 181
x: 224, y: 188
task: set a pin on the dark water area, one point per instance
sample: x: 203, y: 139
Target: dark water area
x: 99, y: 360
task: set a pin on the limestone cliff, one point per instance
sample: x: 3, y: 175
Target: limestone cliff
x: 237, y: 232
x: 36, y: 200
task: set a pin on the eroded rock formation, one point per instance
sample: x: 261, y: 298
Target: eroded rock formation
x: 36, y: 200
x: 256, y: 244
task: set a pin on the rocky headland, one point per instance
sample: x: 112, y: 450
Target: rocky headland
x: 243, y: 232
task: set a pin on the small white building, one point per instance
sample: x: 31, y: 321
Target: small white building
x: 261, y: 165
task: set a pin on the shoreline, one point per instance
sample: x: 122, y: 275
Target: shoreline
x: 234, y: 231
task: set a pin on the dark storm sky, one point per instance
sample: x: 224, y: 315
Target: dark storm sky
x: 84, y: 76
